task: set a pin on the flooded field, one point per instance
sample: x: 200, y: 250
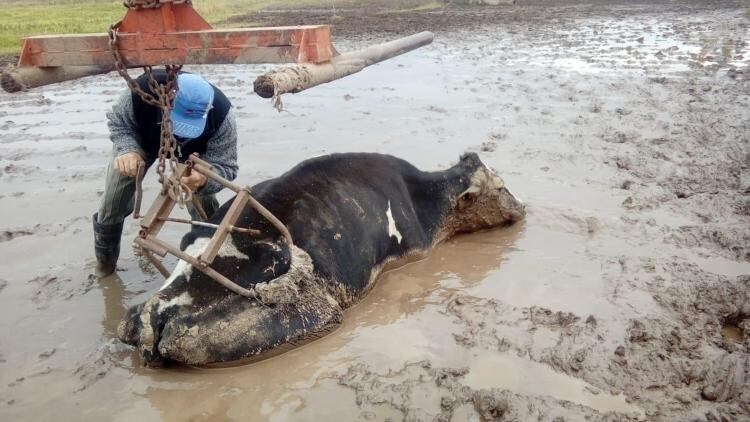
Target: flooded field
x: 625, y: 295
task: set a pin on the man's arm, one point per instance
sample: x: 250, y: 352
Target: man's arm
x: 122, y: 126
x: 124, y: 135
x: 222, y: 154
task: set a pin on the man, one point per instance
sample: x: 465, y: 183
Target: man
x: 202, y: 122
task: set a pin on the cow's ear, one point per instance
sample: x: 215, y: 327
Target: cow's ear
x: 471, y: 160
x: 466, y: 200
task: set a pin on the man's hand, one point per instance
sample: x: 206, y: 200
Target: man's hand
x: 127, y: 164
x: 195, y: 181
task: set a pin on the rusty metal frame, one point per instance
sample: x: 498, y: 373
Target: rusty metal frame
x: 175, y: 33
x: 159, y: 213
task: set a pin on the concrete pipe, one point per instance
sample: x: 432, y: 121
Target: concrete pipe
x: 14, y: 79
x: 301, y: 77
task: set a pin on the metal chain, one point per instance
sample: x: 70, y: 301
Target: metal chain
x: 151, y: 4
x: 162, y: 96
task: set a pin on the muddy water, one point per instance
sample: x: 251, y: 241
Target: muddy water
x: 573, y: 115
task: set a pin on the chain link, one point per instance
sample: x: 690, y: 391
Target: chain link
x: 162, y: 96
x: 151, y: 4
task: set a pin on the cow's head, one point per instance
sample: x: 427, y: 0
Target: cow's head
x: 481, y: 199
x: 194, y: 320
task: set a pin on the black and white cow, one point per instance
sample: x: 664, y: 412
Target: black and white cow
x: 350, y: 215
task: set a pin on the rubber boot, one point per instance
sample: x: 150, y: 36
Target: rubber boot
x: 106, y: 246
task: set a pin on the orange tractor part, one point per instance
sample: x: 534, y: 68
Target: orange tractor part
x: 177, y: 34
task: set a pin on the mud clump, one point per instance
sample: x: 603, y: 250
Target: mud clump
x: 678, y: 366
x: 731, y: 242
x: 52, y: 287
x: 8, y: 235
x: 450, y: 397
x: 549, y: 318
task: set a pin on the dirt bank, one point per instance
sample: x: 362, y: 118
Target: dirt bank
x: 623, y: 296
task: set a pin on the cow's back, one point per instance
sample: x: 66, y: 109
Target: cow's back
x: 350, y: 212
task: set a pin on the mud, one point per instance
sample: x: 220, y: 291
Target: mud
x: 623, y: 296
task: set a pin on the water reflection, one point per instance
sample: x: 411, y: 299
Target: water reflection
x: 113, y: 290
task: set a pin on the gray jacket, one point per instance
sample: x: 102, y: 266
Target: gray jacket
x: 221, y: 152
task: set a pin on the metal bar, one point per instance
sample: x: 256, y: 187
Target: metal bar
x: 156, y: 263
x: 270, y: 217
x: 299, y: 78
x: 201, y: 266
x: 234, y: 212
x: 139, y: 190
x: 202, y: 169
x: 226, y: 46
x: 199, y: 207
x: 149, y: 244
x: 251, y: 232
x: 196, y: 159
x: 151, y: 222
x: 162, y: 207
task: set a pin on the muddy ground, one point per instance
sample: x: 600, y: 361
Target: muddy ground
x: 623, y: 296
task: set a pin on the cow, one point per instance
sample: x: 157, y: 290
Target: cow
x: 350, y: 216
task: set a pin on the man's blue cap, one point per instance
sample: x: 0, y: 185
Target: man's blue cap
x: 195, y: 98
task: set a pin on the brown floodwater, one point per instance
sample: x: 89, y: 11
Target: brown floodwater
x: 540, y: 101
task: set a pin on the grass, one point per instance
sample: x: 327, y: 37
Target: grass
x: 413, y: 6
x: 17, y: 21
x: 21, y: 18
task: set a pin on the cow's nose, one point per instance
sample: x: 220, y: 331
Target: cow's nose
x: 505, y: 188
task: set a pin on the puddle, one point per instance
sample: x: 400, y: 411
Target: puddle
x: 732, y: 333
x: 506, y: 371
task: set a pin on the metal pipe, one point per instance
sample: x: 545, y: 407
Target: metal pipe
x: 139, y: 190
x: 198, y: 207
x: 252, y: 232
x: 14, y: 79
x: 268, y: 215
x: 204, y: 168
x: 156, y: 263
x: 199, y: 167
x: 301, y: 77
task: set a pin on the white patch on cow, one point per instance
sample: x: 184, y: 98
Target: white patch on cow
x: 500, y: 183
x: 182, y: 300
x: 229, y: 249
x: 392, y: 229
x: 482, y: 179
x: 477, y: 182
x: 182, y: 267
